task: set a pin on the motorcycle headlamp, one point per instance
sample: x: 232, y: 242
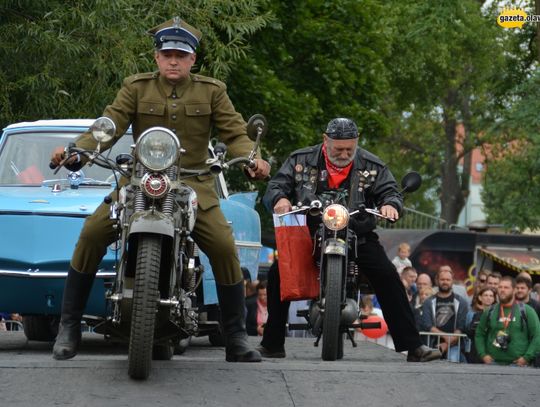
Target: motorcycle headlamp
x: 103, y: 129
x: 335, y: 217
x: 157, y: 148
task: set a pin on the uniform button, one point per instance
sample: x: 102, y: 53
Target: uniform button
x: 174, y: 105
x: 197, y: 111
x: 151, y: 109
x: 174, y: 96
x: 173, y: 117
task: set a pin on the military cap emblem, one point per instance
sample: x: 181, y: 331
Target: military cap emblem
x: 176, y: 34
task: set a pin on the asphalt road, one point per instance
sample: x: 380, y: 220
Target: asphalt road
x: 369, y: 375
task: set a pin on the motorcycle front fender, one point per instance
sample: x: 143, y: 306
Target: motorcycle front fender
x: 151, y: 222
x: 335, y: 246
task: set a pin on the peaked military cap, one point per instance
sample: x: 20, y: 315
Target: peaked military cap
x: 342, y: 129
x: 176, y: 34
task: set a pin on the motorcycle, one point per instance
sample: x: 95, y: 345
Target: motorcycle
x: 153, y: 299
x: 335, y: 312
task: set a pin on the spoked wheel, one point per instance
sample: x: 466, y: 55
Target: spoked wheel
x: 332, y: 337
x: 145, y: 297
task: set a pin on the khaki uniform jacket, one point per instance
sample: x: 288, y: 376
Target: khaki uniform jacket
x: 191, y: 109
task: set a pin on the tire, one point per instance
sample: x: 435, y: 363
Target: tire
x: 332, y: 337
x: 163, y: 351
x: 40, y: 327
x: 145, y: 297
x: 217, y: 339
x: 340, y: 347
x: 182, y: 346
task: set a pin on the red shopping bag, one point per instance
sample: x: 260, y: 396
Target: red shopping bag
x: 298, y: 274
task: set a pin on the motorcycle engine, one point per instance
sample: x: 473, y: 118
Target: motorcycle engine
x: 350, y: 312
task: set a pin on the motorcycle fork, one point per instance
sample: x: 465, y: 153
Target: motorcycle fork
x: 322, y: 280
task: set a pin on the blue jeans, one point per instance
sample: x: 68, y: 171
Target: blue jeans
x: 455, y: 355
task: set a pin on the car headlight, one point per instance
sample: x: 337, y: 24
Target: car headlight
x: 157, y: 148
x: 335, y: 217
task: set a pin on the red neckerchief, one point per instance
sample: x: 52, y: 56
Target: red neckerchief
x: 336, y: 175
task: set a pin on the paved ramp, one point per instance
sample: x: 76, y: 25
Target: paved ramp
x: 369, y: 375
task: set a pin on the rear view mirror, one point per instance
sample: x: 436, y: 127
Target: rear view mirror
x: 256, y: 127
x: 411, y: 181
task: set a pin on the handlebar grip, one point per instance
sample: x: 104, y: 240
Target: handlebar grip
x: 370, y: 325
x: 52, y: 165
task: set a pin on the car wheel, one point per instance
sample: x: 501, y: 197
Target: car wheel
x: 40, y: 327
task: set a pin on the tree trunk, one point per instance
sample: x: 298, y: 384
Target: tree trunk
x: 452, y: 200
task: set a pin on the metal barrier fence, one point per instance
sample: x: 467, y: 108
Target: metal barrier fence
x: 10, y: 325
x: 413, y: 219
x: 455, y: 352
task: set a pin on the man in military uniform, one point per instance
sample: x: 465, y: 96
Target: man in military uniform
x: 313, y: 172
x: 189, y: 105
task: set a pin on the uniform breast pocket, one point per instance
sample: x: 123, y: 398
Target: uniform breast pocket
x: 151, y: 114
x: 198, y: 118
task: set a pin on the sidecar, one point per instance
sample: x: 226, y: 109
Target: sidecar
x: 42, y: 213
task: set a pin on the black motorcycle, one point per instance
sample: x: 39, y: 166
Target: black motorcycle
x: 335, y: 312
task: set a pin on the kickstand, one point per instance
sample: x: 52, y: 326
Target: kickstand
x: 350, y: 336
x: 316, y: 344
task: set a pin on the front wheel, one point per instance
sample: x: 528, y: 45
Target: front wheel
x: 332, y: 337
x: 145, y: 297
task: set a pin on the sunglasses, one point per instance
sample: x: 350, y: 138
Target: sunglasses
x: 482, y: 280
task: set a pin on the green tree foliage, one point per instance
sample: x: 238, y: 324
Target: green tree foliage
x: 319, y: 60
x: 406, y: 72
x: 61, y: 59
x: 449, y: 67
x: 512, y: 182
x: 314, y: 63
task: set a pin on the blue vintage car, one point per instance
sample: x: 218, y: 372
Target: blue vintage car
x: 41, y: 215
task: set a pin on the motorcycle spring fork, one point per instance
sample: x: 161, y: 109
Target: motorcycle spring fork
x: 168, y: 202
x: 139, y: 201
x: 352, y: 270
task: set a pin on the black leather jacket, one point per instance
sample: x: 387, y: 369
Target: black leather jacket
x: 371, y: 184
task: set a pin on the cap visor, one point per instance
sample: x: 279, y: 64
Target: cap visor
x: 179, y: 46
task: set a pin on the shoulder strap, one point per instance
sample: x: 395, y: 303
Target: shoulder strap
x: 523, y: 313
x: 490, y: 312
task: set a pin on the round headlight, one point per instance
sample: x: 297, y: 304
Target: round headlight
x: 103, y: 129
x: 335, y: 217
x: 157, y: 148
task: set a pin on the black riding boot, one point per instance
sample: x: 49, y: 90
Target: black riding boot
x: 76, y: 292
x: 233, y: 321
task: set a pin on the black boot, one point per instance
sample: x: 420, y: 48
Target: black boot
x: 233, y: 321
x: 76, y: 292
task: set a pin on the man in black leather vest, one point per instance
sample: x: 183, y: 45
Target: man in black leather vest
x: 338, y: 165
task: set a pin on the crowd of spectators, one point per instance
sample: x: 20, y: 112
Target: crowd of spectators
x: 465, y: 326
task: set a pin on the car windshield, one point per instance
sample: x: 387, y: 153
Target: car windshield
x: 25, y: 157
